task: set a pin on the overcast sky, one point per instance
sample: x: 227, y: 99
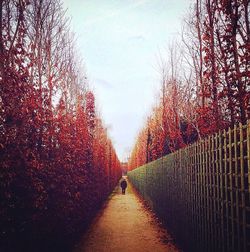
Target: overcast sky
x: 119, y: 41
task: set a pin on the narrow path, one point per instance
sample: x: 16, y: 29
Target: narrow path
x: 125, y: 225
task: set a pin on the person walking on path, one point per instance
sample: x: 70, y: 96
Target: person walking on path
x: 123, y: 186
x: 125, y: 225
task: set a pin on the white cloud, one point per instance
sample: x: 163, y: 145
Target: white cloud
x: 102, y: 83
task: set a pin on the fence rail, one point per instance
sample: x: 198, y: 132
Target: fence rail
x: 202, y: 192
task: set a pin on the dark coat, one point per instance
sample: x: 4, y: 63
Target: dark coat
x: 124, y: 184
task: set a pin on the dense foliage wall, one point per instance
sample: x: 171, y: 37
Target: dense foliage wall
x: 57, y: 163
x: 201, y: 192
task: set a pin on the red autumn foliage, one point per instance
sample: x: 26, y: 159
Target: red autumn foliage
x: 57, y: 163
x: 213, y: 94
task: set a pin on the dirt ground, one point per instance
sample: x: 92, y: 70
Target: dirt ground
x: 125, y: 225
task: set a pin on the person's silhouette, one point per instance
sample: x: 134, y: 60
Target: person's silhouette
x: 123, y: 186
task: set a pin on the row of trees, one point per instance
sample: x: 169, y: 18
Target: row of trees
x: 57, y: 163
x: 205, y: 80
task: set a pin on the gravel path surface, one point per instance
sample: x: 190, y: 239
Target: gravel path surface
x: 125, y: 225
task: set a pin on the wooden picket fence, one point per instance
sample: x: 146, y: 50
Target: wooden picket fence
x: 202, y: 192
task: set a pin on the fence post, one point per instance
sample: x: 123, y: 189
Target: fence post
x: 221, y: 191
x: 242, y: 188
x: 231, y: 187
x: 225, y: 171
x: 237, y: 186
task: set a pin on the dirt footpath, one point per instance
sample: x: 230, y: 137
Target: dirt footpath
x: 125, y: 225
